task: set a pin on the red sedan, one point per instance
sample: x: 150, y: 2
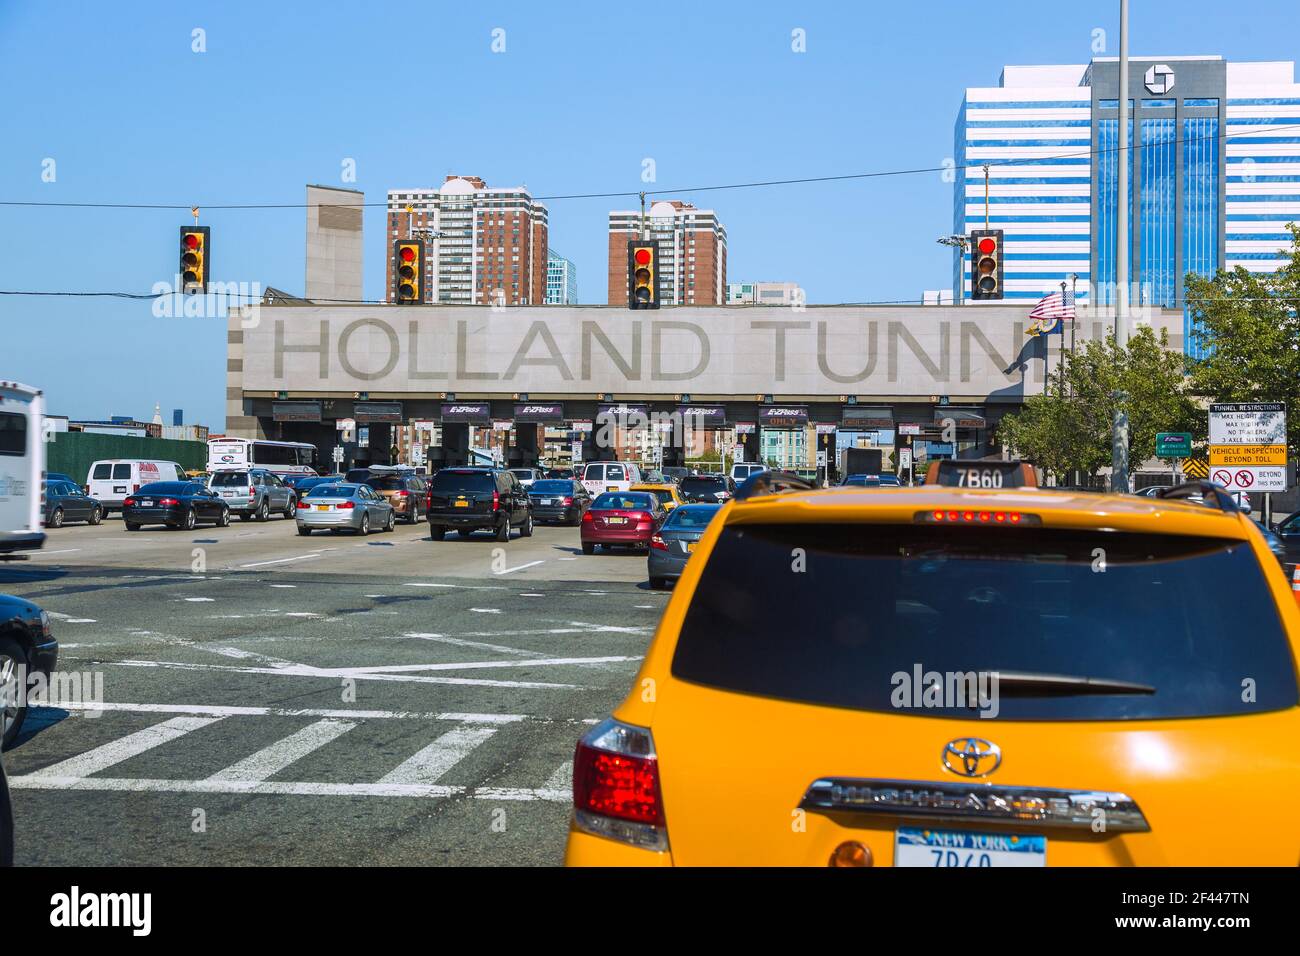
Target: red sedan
x: 626, y: 518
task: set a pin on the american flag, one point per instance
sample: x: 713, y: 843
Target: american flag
x: 1049, y: 313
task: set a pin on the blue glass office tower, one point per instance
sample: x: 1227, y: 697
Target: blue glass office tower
x: 1214, y: 173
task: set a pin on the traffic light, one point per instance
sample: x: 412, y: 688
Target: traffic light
x: 642, y: 274
x: 196, y: 259
x: 409, y: 257
x: 986, y: 264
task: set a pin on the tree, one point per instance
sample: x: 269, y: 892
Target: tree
x: 1069, y: 428
x: 1249, y: 326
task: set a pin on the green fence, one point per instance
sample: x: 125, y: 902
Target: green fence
x: 72, y: 453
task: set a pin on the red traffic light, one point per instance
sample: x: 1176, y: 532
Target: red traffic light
x: 190, y: 240
x: 988, y: 245
x: 407, y: 253
x: 643, y: 257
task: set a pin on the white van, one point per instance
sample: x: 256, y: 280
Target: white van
x: 112, y: 479
x: 602, y: 476
x: 22, y: 467
x: 742, y: 471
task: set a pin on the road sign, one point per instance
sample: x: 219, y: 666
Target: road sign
x: 1249, y: 479
x: 904, y: 459
x: 909, y: 428
x: 1248, y: 423
x: 575, y: 451
x: 1249, y: 455
x: 338, y: 454
x: 821, y: 459
x: 1196, y: 468
x: 1173, y: 444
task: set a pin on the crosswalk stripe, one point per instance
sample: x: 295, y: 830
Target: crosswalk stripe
x: 284, y: 788
x: 433, y: 761
x: 116, y: 751
x: 271, y: 760
x: 562, y: 779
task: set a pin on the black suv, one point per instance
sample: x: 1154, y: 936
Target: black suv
x: 478, y: 499
x: 707, y: 489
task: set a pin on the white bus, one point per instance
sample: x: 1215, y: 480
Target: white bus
x: 22, y: 468
x: 279, y: 457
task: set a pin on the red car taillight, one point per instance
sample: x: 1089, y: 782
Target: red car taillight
x: 588, y: 517
x: 496, y: 501
x: 345, y: 505
x: 168, y: 502
x: 616, y: 792
x: 403, y: 493
x: 135, y: 488
x: 303, y: 504
x: 567, y: 502
x: 657, y: 541
x: 128, y: 502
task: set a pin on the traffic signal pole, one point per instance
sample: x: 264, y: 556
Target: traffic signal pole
x: 1119, y: 480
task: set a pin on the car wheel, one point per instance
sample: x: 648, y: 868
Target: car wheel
x: 291, y: 509
x: 305, y: 532
x: 392, y: 521
x: 132, y: 526
x: 437, y: 532
x: 365, y: 524
x: 527, y: 530
x: 263, y: 511
x: 56, y: 519
x: 191, y: 519
x: 224, y: 520
x: 503, y: 530
x: 13, y: 667
x: 588, y: 548
x: 96, y: 515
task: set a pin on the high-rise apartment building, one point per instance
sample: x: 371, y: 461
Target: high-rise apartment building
x: 1214, y: 173
x: 692, y: 253
x: 481, y: 244
x: 561, y: 280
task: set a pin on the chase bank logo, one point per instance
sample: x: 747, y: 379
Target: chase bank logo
x: 1159, y: 79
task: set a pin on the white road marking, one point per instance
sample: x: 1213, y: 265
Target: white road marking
x: 142, y: 785
x: 463, y: 587
x: 284, y: 585
x: 199, y: 600
x: 568, y: 559
x: 222, y: 710
x: 431, y: 763
x: 466, y: 666
x: 114, y: 752
x: 269, y: 761
x: 261, y: 564
x: 530, y: 564
x: 486, y: 610
x: 301, y: 614
x: 644, y: 607
x: 69, y: 619
x: 302, y: 670
x: 532, y: 595
x: 481, y: 645
x: 35, y: 554
x: 561, y: 779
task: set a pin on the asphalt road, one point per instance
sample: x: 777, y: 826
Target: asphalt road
x: 333, y: 700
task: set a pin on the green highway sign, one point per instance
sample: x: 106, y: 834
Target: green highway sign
x: 1173, y: 444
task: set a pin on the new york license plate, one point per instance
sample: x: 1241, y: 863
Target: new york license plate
x: 917, y: 846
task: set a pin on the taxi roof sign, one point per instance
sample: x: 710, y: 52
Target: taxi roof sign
x: 951, y: 473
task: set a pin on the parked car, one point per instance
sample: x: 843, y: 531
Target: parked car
x: 110, y: 480
x: 176, y: 504
x: 405, y: 491
x: 477, y: 499
x: 344, y: 506
x: 60, y: 476
x: 708, y: 489
x: 673, y: 543
x: 254, y: 493
x: 560, y: 500
x: 27, y: 646
x: 527, y: 476
x: 65, y: 501
x: 621, y: 518
x: 598, y: 476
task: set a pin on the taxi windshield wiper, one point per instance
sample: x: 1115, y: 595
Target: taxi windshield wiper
x: 1028, y: 684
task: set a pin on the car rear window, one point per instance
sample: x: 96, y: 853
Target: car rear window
x: 594, y: 473
x: 456, y: 481
x: 853, y: 616
x: 166, y: 488
x: 552, y: 487
x: 13, y: 433
x: 623, y: 501
x: 121, y: 471
x: 332, y: 491
x: 691, y: 516
x: 386, y: 484
x: 101, y: 472
x: 229, y: 479
x: 702, y: 484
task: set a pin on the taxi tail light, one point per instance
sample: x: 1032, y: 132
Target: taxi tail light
x: 346, y: 505
x: 657, y: 541
x: 982, y: 516
x: 616, y: 791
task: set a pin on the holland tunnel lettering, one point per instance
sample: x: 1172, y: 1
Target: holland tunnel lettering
x: 710, y: 351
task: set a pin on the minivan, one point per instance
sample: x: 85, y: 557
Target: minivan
x: 110, y: 480
x: 602, y: 476
x: 743, y: 470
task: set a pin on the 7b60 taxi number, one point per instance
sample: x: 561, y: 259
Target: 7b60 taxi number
x: 979, y: 478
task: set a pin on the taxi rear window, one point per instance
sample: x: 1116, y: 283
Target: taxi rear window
x: 833, y: 615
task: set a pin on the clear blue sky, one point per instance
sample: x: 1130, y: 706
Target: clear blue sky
x: 113, y: 93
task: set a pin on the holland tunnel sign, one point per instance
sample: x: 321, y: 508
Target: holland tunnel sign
x: 714, y: 351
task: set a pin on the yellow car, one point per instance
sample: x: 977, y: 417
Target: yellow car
x: 974, y: 673
x: 667, y: 493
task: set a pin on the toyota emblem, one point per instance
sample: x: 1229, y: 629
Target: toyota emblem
x: 971, y: 756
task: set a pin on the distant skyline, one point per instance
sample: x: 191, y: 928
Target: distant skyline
x: 112, y: 104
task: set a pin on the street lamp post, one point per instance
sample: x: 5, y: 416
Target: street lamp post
x: 1119, y: 436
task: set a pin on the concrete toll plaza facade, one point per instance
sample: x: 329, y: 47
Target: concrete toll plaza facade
x: 295, y: 370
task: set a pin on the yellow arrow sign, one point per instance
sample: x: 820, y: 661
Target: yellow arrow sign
x: 1196, y: 468
x: 1248, y: 454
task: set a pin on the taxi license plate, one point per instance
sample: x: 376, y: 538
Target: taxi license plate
x: 615, y: 521
x: 322, y: 507
x: 917, y: 846
x: 462, y: 504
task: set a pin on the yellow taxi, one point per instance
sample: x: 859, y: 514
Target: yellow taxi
x: 978, y: 672
x: 667, y: 493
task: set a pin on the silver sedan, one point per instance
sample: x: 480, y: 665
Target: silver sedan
x: 344, y: 506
